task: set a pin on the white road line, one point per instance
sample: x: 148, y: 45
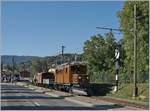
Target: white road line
x: 37, y: 104
x: 51, y: 94
x: 79, y: 102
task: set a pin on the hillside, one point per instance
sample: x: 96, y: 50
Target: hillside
x: 7, y: 59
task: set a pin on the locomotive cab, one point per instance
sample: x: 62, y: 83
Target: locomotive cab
x: 79, y: 73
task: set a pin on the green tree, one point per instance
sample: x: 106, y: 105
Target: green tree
x: 111, y: 45
x: 126, y: 23
x: 99, y: 53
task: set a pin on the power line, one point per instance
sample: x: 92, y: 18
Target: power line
x: 111, y: 29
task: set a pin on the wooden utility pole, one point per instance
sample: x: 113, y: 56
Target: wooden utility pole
x: 135, y: 88
x: 62, y: 53
x: 13, y: 68
x: 13, y: 64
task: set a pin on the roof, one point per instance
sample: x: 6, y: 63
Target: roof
x: 40, y: 73
x: 70, y: 64
x: 51, y: 70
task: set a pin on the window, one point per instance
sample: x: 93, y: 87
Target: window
x: 78, y: 69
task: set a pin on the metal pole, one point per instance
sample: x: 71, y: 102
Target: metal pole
x: 117, y: 56
x: 117, y: 71
x: 135, y: 89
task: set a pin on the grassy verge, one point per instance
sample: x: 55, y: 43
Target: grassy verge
x: 126, y: 90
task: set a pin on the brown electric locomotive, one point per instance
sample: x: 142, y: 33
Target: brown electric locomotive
x: 72, y: 74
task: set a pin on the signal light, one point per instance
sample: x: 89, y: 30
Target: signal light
x: 79, y: 77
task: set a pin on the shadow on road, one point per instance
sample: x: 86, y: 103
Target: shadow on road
x: 30, y: 97
x: 101, y: 107
x: 15, y: 89
x: 107, y: 107
x: 32, y: 92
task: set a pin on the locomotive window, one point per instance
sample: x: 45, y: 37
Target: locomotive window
x: 78, y: 69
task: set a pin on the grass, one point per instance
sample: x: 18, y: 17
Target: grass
x: 125, y: 91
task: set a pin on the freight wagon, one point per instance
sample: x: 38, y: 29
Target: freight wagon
x: 44, y: 79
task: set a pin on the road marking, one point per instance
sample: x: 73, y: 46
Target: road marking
x: 51, y: 94
x: 80, y: 102
x: 37, y: 104
x: 13, y: 101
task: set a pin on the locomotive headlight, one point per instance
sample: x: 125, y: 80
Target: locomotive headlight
x: 79, y: 77
x: 87, y: 77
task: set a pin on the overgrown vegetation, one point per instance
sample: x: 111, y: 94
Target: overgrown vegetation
x: 125, y: 92
x: 99, y: 50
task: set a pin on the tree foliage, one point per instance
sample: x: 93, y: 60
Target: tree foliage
x: 126, y: 23
x: 99, y: 53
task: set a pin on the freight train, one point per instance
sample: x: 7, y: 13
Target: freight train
x: 71, y: 77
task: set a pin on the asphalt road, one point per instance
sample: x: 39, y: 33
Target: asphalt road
x: 15, y: 97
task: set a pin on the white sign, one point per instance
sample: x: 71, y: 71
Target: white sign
x: 45, y: 81
x: 117, y: 54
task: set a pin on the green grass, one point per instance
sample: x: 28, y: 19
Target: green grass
x: 126, y: 90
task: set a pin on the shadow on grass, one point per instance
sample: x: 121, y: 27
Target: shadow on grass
x: 100, y: 89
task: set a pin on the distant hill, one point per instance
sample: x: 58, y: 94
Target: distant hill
x: 66, y: 58
x: 7, y: 59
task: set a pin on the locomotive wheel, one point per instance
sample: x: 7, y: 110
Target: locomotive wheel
x: 70, y: 90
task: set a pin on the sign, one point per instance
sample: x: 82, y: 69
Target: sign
x: 45, y: 81
x: 117, y: 54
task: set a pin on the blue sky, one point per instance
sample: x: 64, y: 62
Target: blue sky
x: 40, y: 28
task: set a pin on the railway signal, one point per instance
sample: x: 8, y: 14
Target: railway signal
x: 117, y: 56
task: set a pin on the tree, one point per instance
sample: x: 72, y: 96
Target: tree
x: 99, y: 53
x: 126, y: 23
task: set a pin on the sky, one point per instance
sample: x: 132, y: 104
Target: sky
x: 40, y: 28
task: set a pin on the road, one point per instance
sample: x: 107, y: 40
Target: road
x: 15, y: 97
x: 20, y: 98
